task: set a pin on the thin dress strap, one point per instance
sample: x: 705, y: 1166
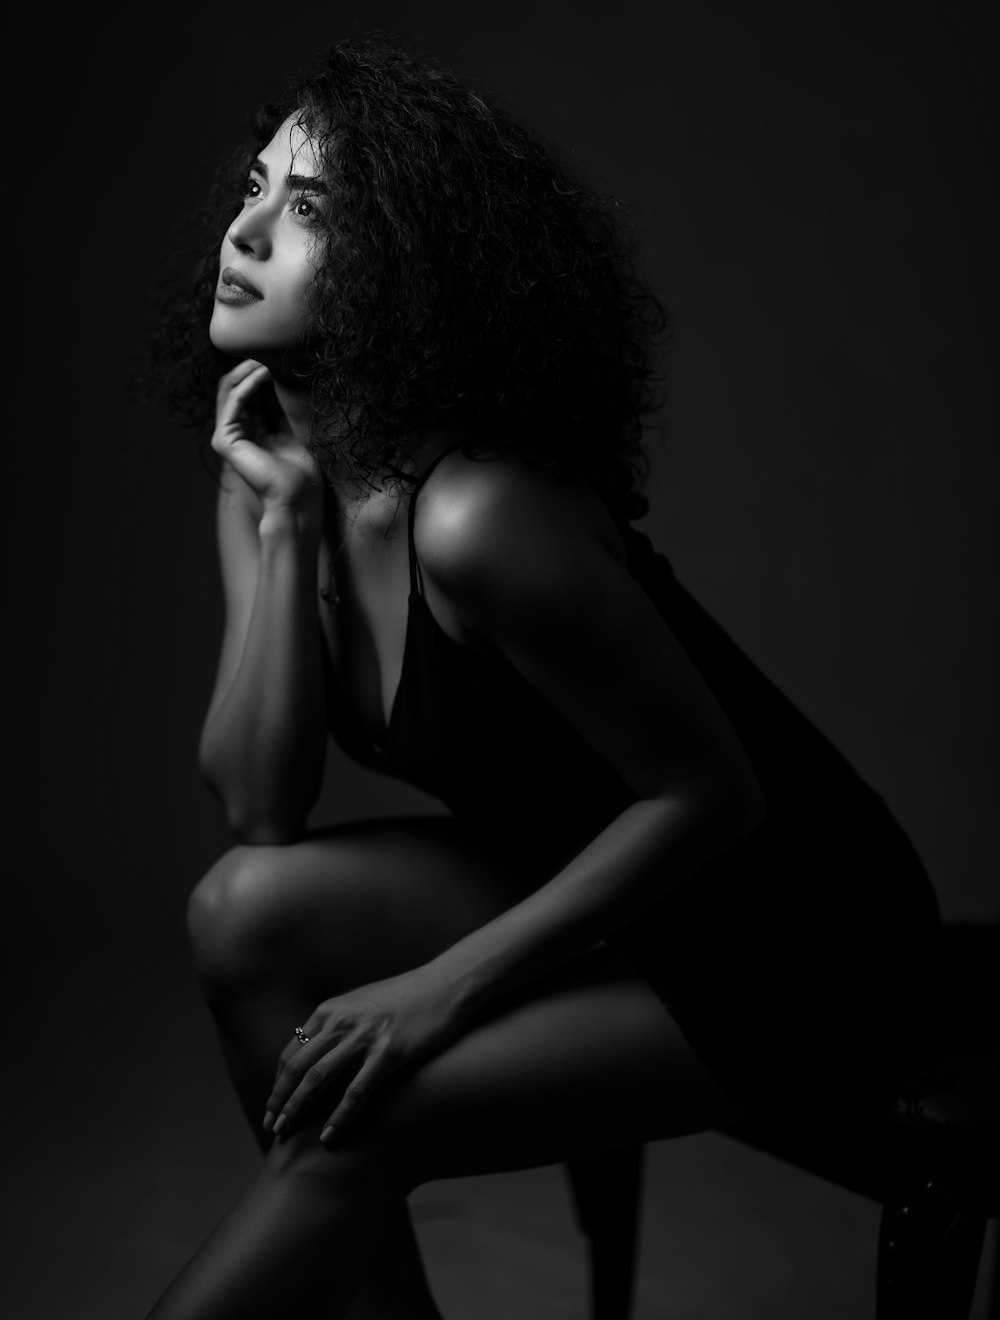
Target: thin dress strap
x: 416, y: 578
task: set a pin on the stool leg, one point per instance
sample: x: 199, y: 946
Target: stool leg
x: 929, y: 1250
x: 606, y: 1193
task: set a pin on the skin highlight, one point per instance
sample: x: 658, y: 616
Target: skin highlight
x: 273, y: 243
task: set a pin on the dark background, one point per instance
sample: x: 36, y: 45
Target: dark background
x: 813, y: 186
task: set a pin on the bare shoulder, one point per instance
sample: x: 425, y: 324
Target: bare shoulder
x: 493, y: 521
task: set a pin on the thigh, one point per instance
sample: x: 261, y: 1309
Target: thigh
x: 586, y: 1060
x: 347, y: 904
x: 797, y: 964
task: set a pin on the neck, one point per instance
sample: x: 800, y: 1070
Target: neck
x: 294, y: 397
x: 296, y: 403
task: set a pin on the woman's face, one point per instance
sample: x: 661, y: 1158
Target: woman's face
x: 270, y: 252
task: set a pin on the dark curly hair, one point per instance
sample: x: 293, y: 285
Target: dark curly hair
x: 467, y: 278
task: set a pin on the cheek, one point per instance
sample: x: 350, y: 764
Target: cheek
x: 292, y: 280
x: 294, y: 310
x: 296, y: 303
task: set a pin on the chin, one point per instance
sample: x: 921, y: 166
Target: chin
x: 237, y: 345
x: 231, y: 336
x: 227, y: 338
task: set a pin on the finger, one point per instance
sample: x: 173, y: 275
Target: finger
x: 231, y: 426
x: 293, y: 1062
x: 244, y: 387
x: 297, y: 1056
x: 233, y: 377
x: 291, y: 1051
x: 242, y: 369
x: 317, y: 1077
x: 376, y: 1067
x: 312, y: 1030
x: 233, y: 394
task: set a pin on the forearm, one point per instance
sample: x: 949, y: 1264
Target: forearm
x: 650, y: 849
x: 264, y: 742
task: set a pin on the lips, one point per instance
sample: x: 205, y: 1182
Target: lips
x: 233, y: 277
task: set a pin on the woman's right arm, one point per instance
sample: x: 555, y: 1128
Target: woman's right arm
x: 263, y: 744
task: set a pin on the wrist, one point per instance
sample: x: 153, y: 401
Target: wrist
x: 298, y: 522
x: 460, y: 985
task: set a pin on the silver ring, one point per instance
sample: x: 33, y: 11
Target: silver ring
x: 300, y: 1036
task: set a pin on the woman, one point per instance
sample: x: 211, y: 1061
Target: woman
x: 661, y: 902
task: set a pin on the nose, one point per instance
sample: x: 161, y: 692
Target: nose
x: 250, y: 232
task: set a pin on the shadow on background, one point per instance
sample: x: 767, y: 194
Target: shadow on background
x: 812, y: 187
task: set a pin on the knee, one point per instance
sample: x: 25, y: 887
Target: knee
x: 378, y: 1151
x: 235, y: 916
x: 358, y: 1165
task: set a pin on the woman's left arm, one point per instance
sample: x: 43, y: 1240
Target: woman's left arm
x: 536, y: 577
x: 534, y: 572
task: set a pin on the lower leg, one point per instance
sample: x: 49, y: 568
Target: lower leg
x: 299, y: 1238
x: 251, y: 1034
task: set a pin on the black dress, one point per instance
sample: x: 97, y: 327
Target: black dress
x: 792, y: 962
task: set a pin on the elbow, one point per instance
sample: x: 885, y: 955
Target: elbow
x: 208, y: 766
x: 260, y: 823
x: 254, y: 824
x: 265, y: 833
x: 728, y: 803
x: 264, y: 828
x: 720, y: 810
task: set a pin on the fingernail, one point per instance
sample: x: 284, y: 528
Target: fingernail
x: 326, y: 1134
x: 280, y: 1125
x: 268, y: 1121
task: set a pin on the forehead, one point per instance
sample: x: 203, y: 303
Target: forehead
x: 291, y: 150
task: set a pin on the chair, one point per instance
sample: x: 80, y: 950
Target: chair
x: 933, y: 1163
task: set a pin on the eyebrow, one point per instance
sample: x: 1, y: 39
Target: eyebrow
x: 295, y: 182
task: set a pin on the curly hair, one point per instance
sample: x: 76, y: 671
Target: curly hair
x: 466, y: 278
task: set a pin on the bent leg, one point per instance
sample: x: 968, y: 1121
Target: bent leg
x: 583, y: 1062
x: 275, y: 930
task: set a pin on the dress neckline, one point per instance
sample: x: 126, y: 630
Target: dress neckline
x: 381, y: 744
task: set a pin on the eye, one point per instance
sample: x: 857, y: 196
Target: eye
x: 251, y: 188
x: 306, y: 210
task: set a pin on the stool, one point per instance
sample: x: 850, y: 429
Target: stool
x: 933, y: 1163
x: 607, y: 1193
